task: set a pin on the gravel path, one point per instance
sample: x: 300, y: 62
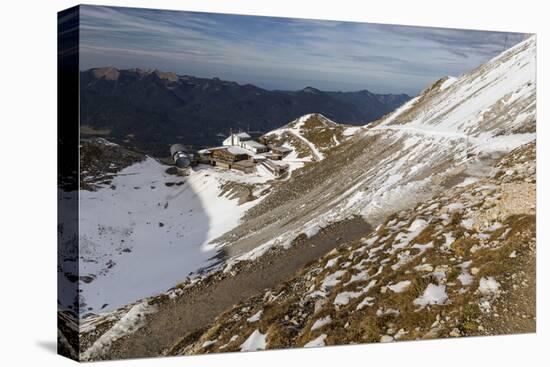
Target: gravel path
x: 200, y: 306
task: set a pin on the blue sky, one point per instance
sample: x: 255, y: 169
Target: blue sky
x: 283, y: 53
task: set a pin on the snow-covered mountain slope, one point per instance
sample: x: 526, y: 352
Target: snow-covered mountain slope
x: 145, y: 230
x: 135, y: 214
x: 496, y: 98
x: 311, y: 136
x: 462, y: 263
x: 451, y: 134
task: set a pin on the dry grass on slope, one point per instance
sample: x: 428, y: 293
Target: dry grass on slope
x: 442, y: 269
x: 322, y: 133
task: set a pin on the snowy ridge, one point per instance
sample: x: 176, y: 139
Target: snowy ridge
x: 316, y: 133
x: 496, y: 98
x: 447, y: 82
x: 440, y: 139
x: 317, y: 155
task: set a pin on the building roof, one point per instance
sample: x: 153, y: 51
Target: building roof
x: 254, y: 144
x: 243, y: 135
x: 237, y: 150
x: 244, y: 163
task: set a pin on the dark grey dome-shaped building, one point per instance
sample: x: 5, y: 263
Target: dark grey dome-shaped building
x: 183, y: 161
x: 180, y: 156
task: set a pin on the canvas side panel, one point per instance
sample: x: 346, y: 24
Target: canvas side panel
x: 67, y: 181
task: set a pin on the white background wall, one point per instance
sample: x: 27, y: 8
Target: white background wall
x: 28, y: 193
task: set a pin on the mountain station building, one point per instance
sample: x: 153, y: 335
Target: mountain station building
x: 239, y: 151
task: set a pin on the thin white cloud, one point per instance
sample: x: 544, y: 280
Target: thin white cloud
x: 281, y: 52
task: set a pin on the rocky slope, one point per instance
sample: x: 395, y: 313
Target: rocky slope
x: 462, y: 263
x: 311, y: 136
x: 101, y: 161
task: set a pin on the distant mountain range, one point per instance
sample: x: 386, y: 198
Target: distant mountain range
x: 148, y: 109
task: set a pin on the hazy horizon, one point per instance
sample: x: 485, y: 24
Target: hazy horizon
x: 283, y: 53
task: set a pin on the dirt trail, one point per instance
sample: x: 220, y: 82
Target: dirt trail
x: 200, y: 306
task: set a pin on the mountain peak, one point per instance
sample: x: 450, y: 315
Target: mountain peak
x: 311, y: 90
x: 169, y: 76
x: 108, y: 73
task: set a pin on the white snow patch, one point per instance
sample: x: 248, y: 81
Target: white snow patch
x: 332, y: 280
x: 208, y: 343
x: 363, y: 275
x: 423, y: 247
x: 493, y: 227
x: 467, y: 223
x: 416, y: 227
x: 423, y: 267
x: 256, y: 341
x: 488, y: 286
x: 350, y: 131
x: 255, y: 317
x: 343, y: 298
x: 366, y: 302
x: 321, y: 322
x: 447, y: 83
x: 454, y: 206
x: 369, y: 242
x: 332, y: 262
x: 128, y: 324
x: 449, y: 239
x: 317, y: 342
x: 400, y: 286
x: 387, y: 311
x: 402, y: 258
x: 401, y: 333
x: 231, y: 340
x: 465, y: 278
x: 433, y: 295
x: 312, y: 230
x: 482, y: 236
